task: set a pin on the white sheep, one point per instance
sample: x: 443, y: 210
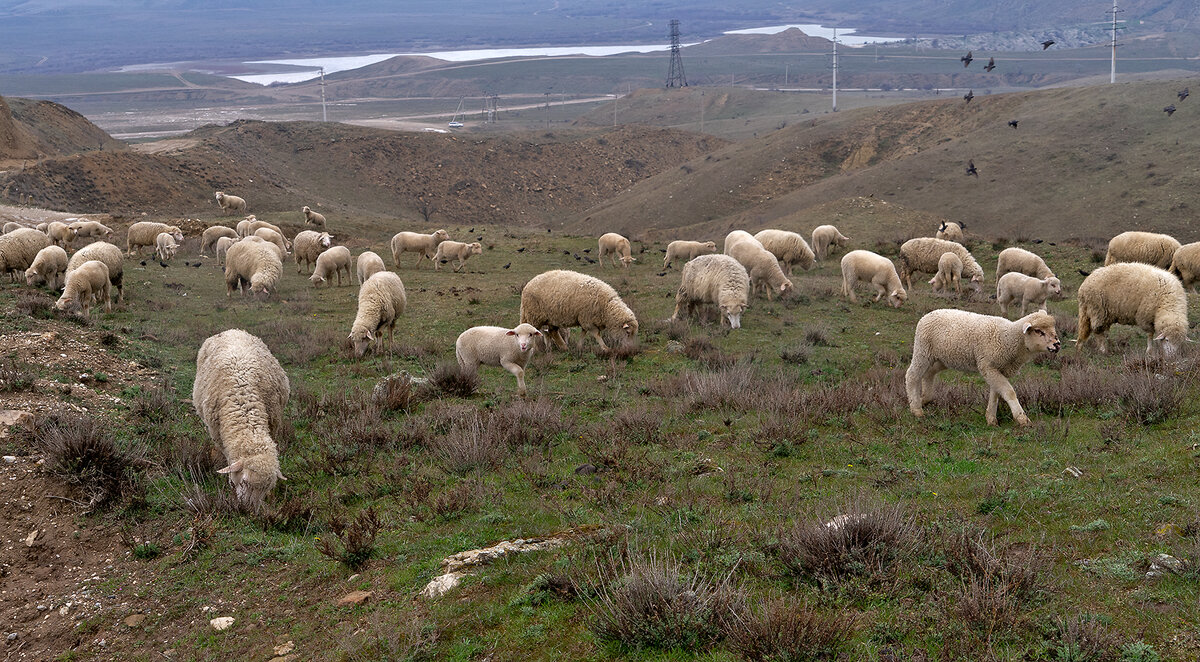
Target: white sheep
x: 18, y: 249
x: 368, y: 264
x: 255, y: 264
x: 949, y: 273
x: 921, y: 255
x: 255, y: 225
x: 94, y: 229
x: 85, y: 284
x: 111, y: 256
x: 760, y: 264
x: 495, y: 345
x: 455, y: 250
x: 381, y: 301
x: 222, y: 248
x: 145, y: 233
x: 787, y: 247
x: 688, y: 250
x: 860, y: 265
x: 49, y: 267
x: 615, y: 246
x: 1013, y: 287
x: 274, y: 237
x: 1021, y: 261
x: 253, y: 238
x: 1138, y: 294
x: 61, y: 234
x: 557, y: 300
x: 1145, y: 247
x: 240, y: 392
x: 42, y: 227
x: 1185, y: 264
x: 208, y: 239
x: 243, y: 226
x: 951, y: 231
x: 230, y: 203
x: 718, y: 280
x: 992, y: 346
x: 165, y: 246
x: 307, y: 245
x: 12, y: 226
x: 424, y: 245
x: 736, y: 237
x: 332, y: 262
x: 313, y: 218
x: 825, y: 237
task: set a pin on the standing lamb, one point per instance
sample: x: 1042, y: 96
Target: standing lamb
x: 165, y: 246
x: 825, y: 237
x: 424, y: 245
x: 1185, y: 264
x: 1138, y: 294
x: 1013, y: 287
x: 951, y: 231
x: 112, y: 258
x: 255, y: 264
x: 61, y: 234
x: 614, y: 245
x: 274, y: 237
x: 240, y: 392
x: 18, y: 250
x: 222, y: 249
x: 717, y: 280
x: 1021, y: 261
x: 85, y: 284
x: 789, y: 248
x: 49, y: 267
x: 332, y: 262
x: 455, y: 250
x: 208, y: 240
x: 381, y: 301
x: 495, y: 345
x: 230, y: 203
x: 875, y: 269
x: 736, y: 237
x: 949, y: 273
x: 688, y: 250
x: 313, y: 218
x: 145, y: 233
x: 921, y: 255
x: 557, y: 300
x: 1145, y: 247
x: 93, y: 229
x: 368, y: 264
x: 761, y: 265
x: 991, y: 346
x: 307, y: 245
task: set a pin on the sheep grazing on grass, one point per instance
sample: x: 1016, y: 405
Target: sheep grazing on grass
x: 825, y: 237
x: 949, y: 273
x: 112, y: 258
x: 991, y: 346
x: 368, y: 264
x: 332, y: 262
x: 875, y: 269
x: 736, y: 237
x: 1021, y: 261
x: 455, y: 250
x: 91, y: 229
x: 688, y: 250
x: 381, y: 301
x: 274, y: 237
x: 615, y: 246
x: 259, y: 240
x: 313, y: 218
x: 1013, y: 287
x: 253, y: 264
x: 165, y: 246
x: 240, y: 392
x: 61, y: 234
x: 787, y: 247
x: 49, y: 267
x: 145, y: 233
x: 759, y: 263
x: 1138, y: 294
x: 424, y: 245
x: 494, y: 345
x: 922, y: 255
x: 255, y: 225
x: 1144, y: 247
x: 18, y: 250
x: 1185, y: 264
x: 230, y: 203
x: 951, y: 231
x: 307, y: 246
x: 716, y: 280
x: 208, y: 240
x: 222, y: 248
x: 558, y: 300
x: 85, y: 284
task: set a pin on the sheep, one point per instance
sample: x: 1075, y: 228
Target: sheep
x: 761, y: 265
x: 222, y: 249
x: 259, y: 240
x: 84, y: 229
x: 243, y: 226
x: 240, y: 392
x: 951, y: 231
x: 923, y: 253
x: 255, y: 225
x: 455, y: 250
x: 12, y: 226
x: 111, y: 256
x: 86, y: 283
x: 41, y: 227
x: 145, y: 233
x: 1144, y: 247
x: 495, y: 345
x: 381, y: 301
x: 367, y: 265
x: 230, y: 203
x: 1185, y: 264
x: 991, y: 346
x: 61, y: 234
x: 274, y: 237
x: 307, y: 245
x: 18, y: 250
x: 210, y: 236
x: 559, y: 299
x: 1013, y: 287
x: 1138, y: 294
x: 1021, y: 261
x: 165, y: 246
x: 688, y: 250
x: 789, y: 248
x: 253, y: 263
x: 875, y: 269
x: 332, y: 262
x: 614, y: 245
x: 736, y: 237
x: 49, y: 267
x: 824, y: 237
x: 313, y: 218
x: 424, y: 245
x: 949, y: 272
x: 719, y: 280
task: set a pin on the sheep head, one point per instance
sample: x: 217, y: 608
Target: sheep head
x: 360, y: 339
x: 897, y: 297
x: 1053, y: 287
x: 441, y: 235
x: 1039, y: 332
x: 253, y: 479
x: 525, y: 333
x: 733, y: 314
x: 476, y: 249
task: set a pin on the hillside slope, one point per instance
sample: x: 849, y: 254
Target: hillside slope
x: 31, y: 129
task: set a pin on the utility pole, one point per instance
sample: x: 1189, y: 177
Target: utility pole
x: 835, y: 70
x: 1112, y: 76
x: 324, y: 112
x: 675, y: 76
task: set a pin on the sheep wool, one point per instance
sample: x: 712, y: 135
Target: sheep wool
x: 84, y: 228
x: 1145, y: 247
x: 277, y: 238
x: 1185, y: 265
x: 18, y: 250
x: 736, y: 237
x: 208, y: 239
x: 497, y: 346
x: 949, y: 273
x: 253, y: 264
x: 313, y: 218
x: 875, y: 269
x: 1021, y: 261
x: 789, y: 248
x: 332, y: 262
x: 86, y: 284
x: 951, y: 231
x: 381, y: 302
x: 688, y: 250
x: 307, y: 246
x: 455, y: 250
x: 165, y: 246
x: 1139, y: 294
x: 1013, y: 287
x: 112, y: 258
x: 558, y: 300
x: 615, y: 246
x: 230, y: 203
x: 61, y: 234
x: 717, y: 280
x: 49, y: 267
x: 368, y: 264
x: 921, y: 255
x: 145, y: 233
x: 761, y: 265
x: 824, y: 237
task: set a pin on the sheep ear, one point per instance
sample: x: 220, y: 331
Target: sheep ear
x: 279, y: 475
x: 233, y: 468
x: 510, y: 332
x: 1160, y: 337
x: 625, y: 326
x: 1028, y: 326
x: 536, y: 332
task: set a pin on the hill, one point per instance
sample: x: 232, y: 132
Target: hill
x: 31, y: 129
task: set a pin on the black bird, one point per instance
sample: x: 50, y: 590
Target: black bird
x: 969, y: 95
x: 1182, y: 94
x: 521, y: 249
x: 472, y: 230
x: 587, y: 250
x: 990, y: 65
x: 1169, y: 110
x: 186, y: 263
x: 1038, y: 241
x: 1047, y: 44
x: 197, y: 265
x: 143, y: 263
x: 590, y: 260
x: 1013, y: 123
x: 1083, y: 273
x: 479, y: 238
x: 971, y: 169
x: 507, y: 265
x: 662, y: 273
x: 163, y: 265
x: 576, y: 256
x: 966, y: 59
x: 566, y: 252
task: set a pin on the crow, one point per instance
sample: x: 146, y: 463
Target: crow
x: 566, y: 252
x: 521, y: 249
x: 587, y: 250
x: 472, y: 230
x: 1182, y: 94
x: 971, y: 169
x: 186, y: 263
x: 507, y: 265
x: 479, y: 238
x: 143, y: 263
x: 576, y: 256
x: 969, y: 95
x: 164, y: 265
x: 1047, y: 44
x: 197, y: 265
x: 662, y: 273
x: 990, y: 65
x: 966, y: 59
x: 1083, y: 273
x: 590, y: 260
x: 1169, y: 110
x: 1013, y: 123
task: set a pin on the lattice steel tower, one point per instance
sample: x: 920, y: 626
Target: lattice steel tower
x: 675, y: 77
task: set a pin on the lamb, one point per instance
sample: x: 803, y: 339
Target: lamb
x: 313, y: 218
x: 111, y: 256
x: 230, y: 203
x: 255, y: 225
x: 1185, y: 264
x: 145, y: 233
x: 253, y: 263
x: 49, y: 267
x: 557, y: 300
x: 12, y: 226
x: 1013, y: 287
x: 738, y: 236
x: 949, y: 272
x: 688, y: 250
x: 1144, y: 247
x: 614, y: 245
x: 61, y: 234
x: 1021, y: 261
x: 210, y: 236
x: 381, y: 301
x: 824, y: 237
x: 243, y: 226
x: 788, y: 247
x: 94, y: 229
x: 367, y: 265
x: 332, y: 262
x: 240, y: 392
x: 424, y: 245
x: 494, y: 345
x: 951, y: 231
x: 18, y: 250
x: 86, y: 283
x: 455, y: 250
x: 991, y: 346
x: 1138, y: 294
x: 307, y: 245
x: 222, y: 249
x: 719, y: 280
x: 274, y: 237
x: 165, y: 246
x: 923, y: 253
x: 41, y: 227
x: 875, y: 269
x: 761, y: 265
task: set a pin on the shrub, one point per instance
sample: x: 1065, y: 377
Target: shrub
x: 865, y: 539
x: 84, y: 454
x: 702, y: 350
x: 34, y: 304
x: 994, y: 585
x: 155, y: 405
x: 1148, y: 397
x: 1083, y: 639
x: 528, y: 423
x: 294, y: 515
x: 450, y: 379
x: 798, y: 354
x: 353, y: 542
x: 15, y: 375
x: 787, y: 630
x: 459, y: 500
x: 469, y: 444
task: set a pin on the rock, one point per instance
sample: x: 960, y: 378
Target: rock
x: 12, y: 636
x: 15, y: 417
x: 33, y: 535
x: 135, y: 620
x: 585, y: 469
x: 285, y: 648
x: 10, y: 458
x: 1169, y: 530
x: 441, y: 585
x: 844, y: 519
x: 1074, y: 472
x: 353, y: 577
x: 354, y: 599
x: 674, y: 347
x: 221, y: 623
x: 706, y: 466
x: 1164, y: 564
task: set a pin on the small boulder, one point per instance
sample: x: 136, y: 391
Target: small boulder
x: 355, y: 598
x: 221, y: 623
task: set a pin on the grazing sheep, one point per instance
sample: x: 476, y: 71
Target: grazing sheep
x: 455, y: 250
x: 1144, y: 247
x: 112, y: 258
x: 949, y: 272
x: 688, y: 250
x: 307, y: 245
x: 1013, y: 287
x: 41, y: 227
x: 951, y: 231
x: 367, y: 265
x: 255, y: 264
x: 424, y: 245
x: 19, y: 248
x: 614, y: 245
x: 559, y: 299
x: 145, y: 233
x: 12, y: 226
x: 313, y: 218
x: 1138, y: 294
x: 94, y: 229
x: 761, y: 265
x: 718, y: 280
x: 243, y: 226
x: 991, y: 346
x: 259, y: 240
x: 255, y: 225
x: 230, y: 203
x: 1021, y: 261
x: 165, y: 246
x: 495, y: 345
x: 240, y: 393
x: 876, y: 270
x: 1185, y: 264
x: 85, y: 284
x: 381, y: 301
x: 210, y: 236
x: 787, y: 247
x: 824, y: 237
x: 921, y: 255
x: 222, y: 249
x: 49, y: 267
x: 736, y: 237
x: 332, y: 262
x: 61, y: 234
x: 274, y: 237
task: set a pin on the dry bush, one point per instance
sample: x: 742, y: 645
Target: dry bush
x: 15, y: 375
x: 469, y: 444
x: 450, y: 379
x: 34, y: 304
x: 186, y: 454
x: 676, y: 329
x: 154, y: 405
x: 623, y: 350
x: 528, y: 423
x: 295, y: 342
x: 464, y: 498
x: 797, y: 354
x: 637, y: 425
x: 1066, y: 325
x: 295, y: 515
x: 816, y: 336
x: 1149, y: 397
x: 394, y: 393
x: 351, y: 419
x: 784, y: 629
x: 1084, y: 639
x: 352, y: 542
x: 205, y: 500
x: 728, y: 387
x: 83, y: 453
x: 702, y: 350
x: 994, y: 585
x: 866, y: 539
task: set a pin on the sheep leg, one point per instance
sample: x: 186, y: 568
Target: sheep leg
x: 518, y: 372
x: 679, y: 303
x: 595, y: 333
x: 1000, y: 386
x: 556, y: 335
x: 1024, y: 303
x: 913, y: 386
x: 460, y: 265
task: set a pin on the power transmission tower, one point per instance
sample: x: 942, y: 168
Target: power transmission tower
x: 1112, y: 76
x: 491, y: 108
x: 675, y: 77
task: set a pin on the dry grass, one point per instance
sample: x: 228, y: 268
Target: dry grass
x: 864, y: 539
x: 450, y: 379
x: 469, y: 445
x: 784, y: 629
x: 15, y: 375
x: 352, y: 541
x: 86, y: 455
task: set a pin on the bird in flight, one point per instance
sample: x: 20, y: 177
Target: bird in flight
x: 966, y: 59
x: 1047, y: 44
x: 1169, y: 110
x: 971, y: 168
x: 1183, y: 94
x: 1013, y: 123
x: 969, y: 95
x: 990, y: 65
